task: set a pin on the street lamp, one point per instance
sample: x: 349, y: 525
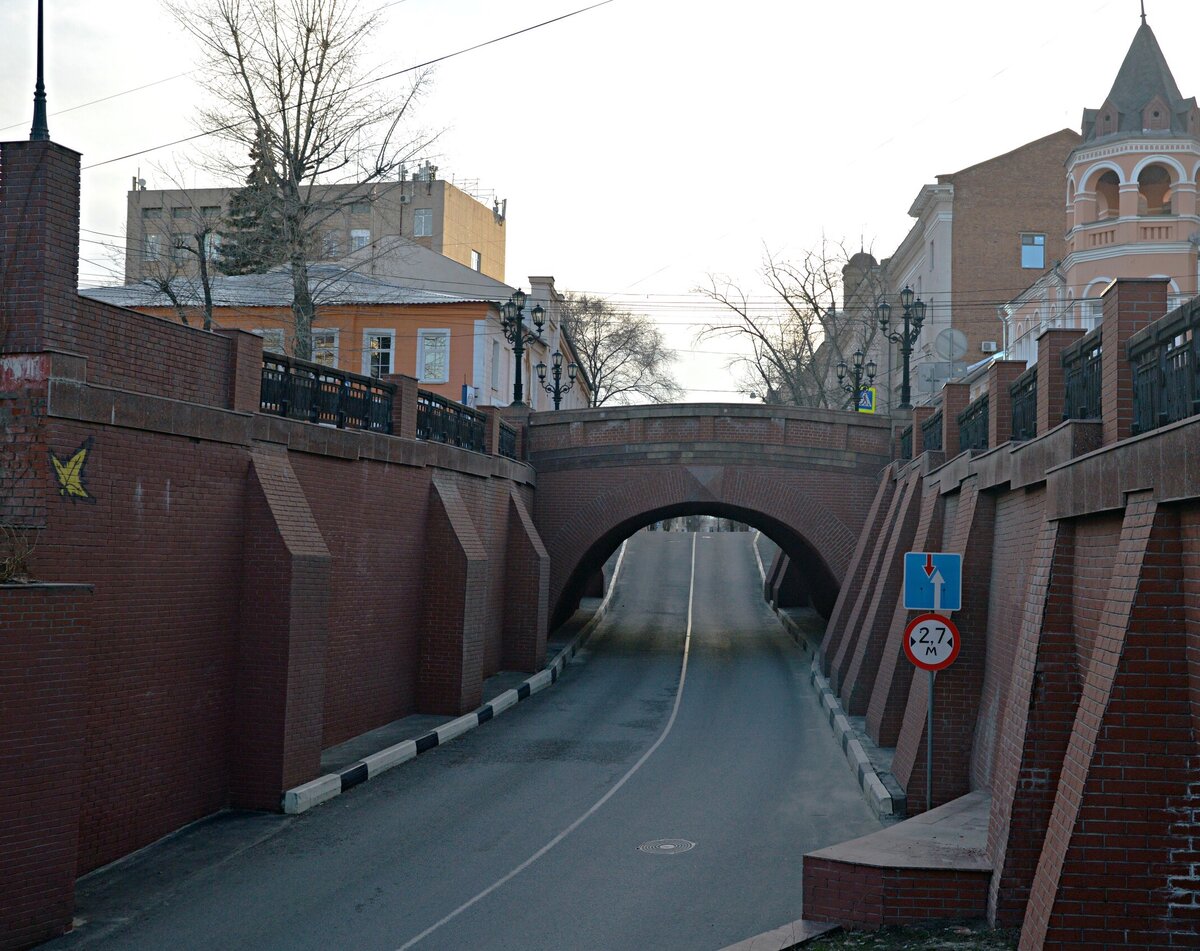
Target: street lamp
x: 856, y: 387
x: 557, y: 389
x: 914, y: 316
x: 513, y: 325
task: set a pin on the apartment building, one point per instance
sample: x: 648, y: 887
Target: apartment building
x: 165, y: 228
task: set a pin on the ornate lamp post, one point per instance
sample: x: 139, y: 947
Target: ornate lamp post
x: 914, y: 316
x: 557, y: 389
x: 856, y: 387
x: 513, y: 325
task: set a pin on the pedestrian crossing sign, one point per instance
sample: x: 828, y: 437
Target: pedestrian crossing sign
x: 866, y: 399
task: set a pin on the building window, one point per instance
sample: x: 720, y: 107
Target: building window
x: 151, y: 213
x: 360, y: 208
x: 331, y: 244
x: 433, y: 356
x: 359, y: 239
x: 180, y: 252
x: 423, y: 223
x: 181, y: 212
x: 495, y: 365
x: 378, y: 348
x: 1033, y: 251
x: 932, y: 255
x: 272, y: 340
x: 152, y: 247
x: 325, y: 347
x: 210, y: 211
x: 212, y: 246
x: 476, y: 261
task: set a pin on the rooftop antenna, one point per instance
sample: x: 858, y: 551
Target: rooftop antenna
x: 40, y: 131
x: 1143, y: 12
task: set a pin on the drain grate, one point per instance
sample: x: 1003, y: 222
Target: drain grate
x: 666, y: 846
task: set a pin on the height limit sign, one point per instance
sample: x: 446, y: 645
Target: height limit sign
x: 931, y: 642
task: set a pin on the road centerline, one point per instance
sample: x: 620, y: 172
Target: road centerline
x: 595, y: 807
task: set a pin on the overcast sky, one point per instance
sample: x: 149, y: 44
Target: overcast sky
x: 644, y: 144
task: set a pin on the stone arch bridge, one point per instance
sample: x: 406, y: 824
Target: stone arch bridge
x: 804, y: 477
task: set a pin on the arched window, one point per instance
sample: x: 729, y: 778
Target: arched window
x: 1154, y: 191
x: 1108, y: 195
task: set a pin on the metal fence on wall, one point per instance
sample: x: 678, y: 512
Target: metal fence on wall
x: 314, y: 393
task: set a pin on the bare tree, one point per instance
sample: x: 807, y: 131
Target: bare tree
x: 623, y: 354
x: 798, y: 336
x: 284, y: 76
x: 179, y: 255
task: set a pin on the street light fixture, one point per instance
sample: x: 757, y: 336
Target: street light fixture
x: 557, y: 389
x: 856, y: 387
x: 914, y: 317
x: 513, y: 326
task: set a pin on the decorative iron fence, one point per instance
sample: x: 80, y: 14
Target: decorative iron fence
x: 1166, y: 369
x: 931, y: 432
x: 443, y: 420
x: 508, y: 440
x: 300, y: 389
x: 1024, y: 404
x: 1081, y: 377
x: 973, y: 425
x: 906, y: 442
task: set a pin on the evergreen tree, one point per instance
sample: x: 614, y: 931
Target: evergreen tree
x: 253, y: 240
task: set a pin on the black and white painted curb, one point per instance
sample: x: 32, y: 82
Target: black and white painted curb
x: 876, y: 793
x: 324, y: 788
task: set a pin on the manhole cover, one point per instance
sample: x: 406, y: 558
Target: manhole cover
x: 666, y: 846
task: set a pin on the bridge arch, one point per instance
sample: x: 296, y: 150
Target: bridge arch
x: 804, y: 477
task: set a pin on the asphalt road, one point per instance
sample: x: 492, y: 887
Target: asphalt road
x: 525, y: 833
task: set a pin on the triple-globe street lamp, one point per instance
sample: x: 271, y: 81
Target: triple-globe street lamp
x: 557, y: 388
x: 857, y: 388
x: 914, y: 317
x: 513, y: 325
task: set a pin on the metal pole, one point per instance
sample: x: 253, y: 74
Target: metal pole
x: 929, y: 749
x: 905, y: 352
x: 519, y: 352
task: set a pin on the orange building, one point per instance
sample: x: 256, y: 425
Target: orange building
x: 452, y: 343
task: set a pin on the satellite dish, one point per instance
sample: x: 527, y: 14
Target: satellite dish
x: 950, y: 344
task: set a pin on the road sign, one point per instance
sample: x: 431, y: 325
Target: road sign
x: 866, y: 400
x: 932, y: 581
x: 931, y: 641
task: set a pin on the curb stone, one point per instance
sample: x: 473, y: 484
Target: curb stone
x: 302, y: 798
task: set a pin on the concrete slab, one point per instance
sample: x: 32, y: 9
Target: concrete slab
x: 950, y: 837
x: 789, y: 936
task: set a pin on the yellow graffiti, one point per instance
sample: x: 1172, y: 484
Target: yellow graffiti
x: 70, y: 473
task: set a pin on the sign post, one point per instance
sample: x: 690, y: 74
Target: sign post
x: 932, y: 583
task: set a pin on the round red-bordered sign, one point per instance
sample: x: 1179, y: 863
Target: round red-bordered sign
x: 931, y: 641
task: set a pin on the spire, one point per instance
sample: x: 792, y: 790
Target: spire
x: 1143, y: 12
x: 40, y: 131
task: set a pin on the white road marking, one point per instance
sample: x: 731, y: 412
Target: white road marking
x: 757, y: 557
x: 687, y: 643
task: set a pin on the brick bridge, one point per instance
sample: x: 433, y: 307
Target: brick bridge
x: 805, y: 477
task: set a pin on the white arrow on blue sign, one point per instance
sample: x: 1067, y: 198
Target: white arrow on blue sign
x: 932, y: 581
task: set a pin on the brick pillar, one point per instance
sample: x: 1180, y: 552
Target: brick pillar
x: 1042, y: 698
x: 518, y: 418
x: 526, y: 589
x: 280, y: 686
x: 1129, y: 305
x: 245, y: 369
x: 1000, y: 376
x: 43, y: 714
x: 404, y: 405
x: 1051, y: 389
x: 920, y: 414
x: 491, y: 430
x: 956, y: 397
x: 39, y: 242
x: 450, y: 671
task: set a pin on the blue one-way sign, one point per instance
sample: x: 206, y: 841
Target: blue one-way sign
x: 932, y: 581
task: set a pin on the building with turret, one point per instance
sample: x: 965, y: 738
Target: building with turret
x: 1131, y: 211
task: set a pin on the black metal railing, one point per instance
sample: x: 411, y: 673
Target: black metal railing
x: 1166, y: 369
x: 931, y: 433
x: 314, y: 393
x: 906, y: 442
x: 973, y: 425
x: 508, y: 440
x: 1081, y: 377
x: 1024, y: 404
x: 442, y: 420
